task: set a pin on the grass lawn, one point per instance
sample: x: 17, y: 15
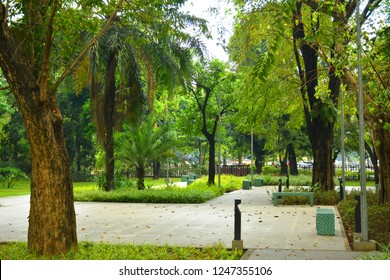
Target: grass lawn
x: 106, y: 251
x: 22, y: 187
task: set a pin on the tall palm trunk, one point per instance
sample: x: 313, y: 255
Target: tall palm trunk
x: 108, y: 111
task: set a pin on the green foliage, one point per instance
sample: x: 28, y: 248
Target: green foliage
x: 198, y: 192
x: 20, y: 187
x: 8, y: 175
x: 273, y: 180
x: 268, y: 170
x: 138, y: 145
x: 378, y: 227
x: 107, y: 251
x: 326, y: 197
x: 383, y: 254
x: 82, y: 176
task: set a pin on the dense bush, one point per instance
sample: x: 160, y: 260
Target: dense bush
x: 378, y: 225
x: 197, y: 192
x: 82, y: 176
x: 268, y: 170
x: 8, y: 175
x: 273, y: 180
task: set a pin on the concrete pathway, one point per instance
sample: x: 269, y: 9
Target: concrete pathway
x: 268, y: 232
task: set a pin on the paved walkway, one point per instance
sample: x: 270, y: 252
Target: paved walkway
x: 268, y: 232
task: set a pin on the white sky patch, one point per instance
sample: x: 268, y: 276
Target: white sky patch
x: 220, y: 24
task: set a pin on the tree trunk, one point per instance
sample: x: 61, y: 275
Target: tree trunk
x: 292, y: 158
x: 323, y: 169
x: 381, y: 139
x: 319, y: 118
x: 156, y: 170
x: 259, y: 152
x: 141, y: 177
x: 52, y: 219
x: 211, y: 140
x: 374, y: 159
x: 109, y: 109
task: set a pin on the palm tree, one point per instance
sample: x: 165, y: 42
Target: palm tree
x: 126, y: 56
x: 141, y: 144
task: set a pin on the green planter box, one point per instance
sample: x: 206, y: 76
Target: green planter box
x: 258, y: 182
x: 192, y: 177
x: 184, y: 178
x: 325, y: 221
x: 246, y: 185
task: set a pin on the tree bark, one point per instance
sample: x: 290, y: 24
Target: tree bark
x: 320, y: 126
x: 381, y: 140
x: 52, y: 219
x: 292, y: 158
x: 109, y: 109
x: 259, y: 152
x: 141, y: 177
x: 382, y: 148
x: 156, y: 170
x: 211, y: 140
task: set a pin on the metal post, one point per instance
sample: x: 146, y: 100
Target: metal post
x: 362, y: 153
x: 252, y: 156
x: 237, y: 220
x: 288, y: 181
x: 341, y: 189
x: 342, y: 181
x: 358, y: 222
x: 280, y: 185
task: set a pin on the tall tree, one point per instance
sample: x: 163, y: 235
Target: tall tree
x: 269, y: 104
x: 377, y: 104
x: 210, y: 88
x: 27, y: 31
x: 321, y: 33
x: 320, y: 101
x: 135, y: 48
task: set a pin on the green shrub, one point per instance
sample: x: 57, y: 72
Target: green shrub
x: 198, y: 192
x: 8, y: 175
x: 268, y: 170
x: 272, y: 180
x: 326, y: 197
x: 378, y: 225
x: 82, y: 176
x: 382, y: 254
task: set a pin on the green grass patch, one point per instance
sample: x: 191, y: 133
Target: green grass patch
x: 106, y: 251
x: 197, y: 192
x: 20, y: 187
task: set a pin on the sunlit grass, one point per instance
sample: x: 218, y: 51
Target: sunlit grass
x: 22, y: 187
x: 107, y: 251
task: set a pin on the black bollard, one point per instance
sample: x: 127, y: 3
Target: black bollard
x: 237, y: 220
x: 280, y: 185
x: 288, y: 182
x: 341, y: 190
x: 358, y: 221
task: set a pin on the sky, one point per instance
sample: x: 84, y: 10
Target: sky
x: 200, y: 8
